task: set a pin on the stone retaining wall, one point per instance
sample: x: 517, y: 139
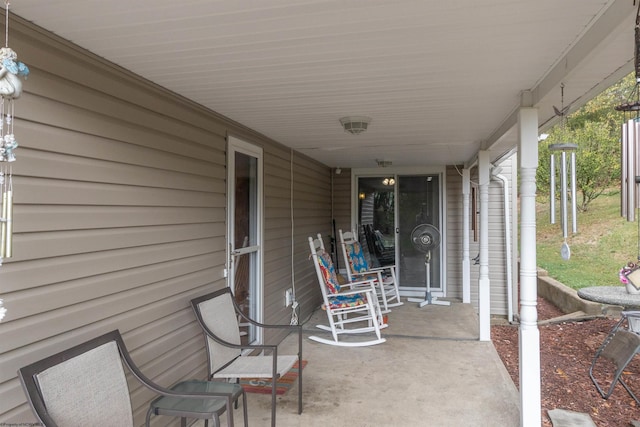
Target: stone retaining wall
x: 567, y: 299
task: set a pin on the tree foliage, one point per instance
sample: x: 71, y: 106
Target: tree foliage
x: 595, y: 128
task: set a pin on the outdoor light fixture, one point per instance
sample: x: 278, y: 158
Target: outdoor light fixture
x: 355, y: 125
x: 388, y: 181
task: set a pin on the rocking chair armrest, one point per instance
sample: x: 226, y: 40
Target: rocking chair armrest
x: 358, y: 283
x: 353, y: 292
x: 386, y: 267
x: 367, y: 273
x: 358, y: 286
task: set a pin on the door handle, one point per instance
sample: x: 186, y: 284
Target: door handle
x: 397, y: 230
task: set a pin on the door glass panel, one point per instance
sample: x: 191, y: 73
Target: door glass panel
x: 376, y: 219
x: 245, y: 239
x: 418, y: 203
x: 245, y: 200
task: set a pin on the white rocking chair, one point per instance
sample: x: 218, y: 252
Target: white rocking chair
x: 351, y: 309
x: 358, y: 269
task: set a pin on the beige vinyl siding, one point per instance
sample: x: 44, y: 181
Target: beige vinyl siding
x: 312, y: 215
x: 497, y: 256
x: 277, y: 232
x: 342, y: 201
x: 497, y: 251
x: 119, y: 218
x: 454, y: 232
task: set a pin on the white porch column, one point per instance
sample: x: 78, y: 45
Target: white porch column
x: 484, y: 291
x: 529, y: 338
x: 466, y: 262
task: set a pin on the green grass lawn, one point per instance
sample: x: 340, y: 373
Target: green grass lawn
x: 604, y: 243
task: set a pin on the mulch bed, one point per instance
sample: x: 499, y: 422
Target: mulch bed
x: 566, y: 352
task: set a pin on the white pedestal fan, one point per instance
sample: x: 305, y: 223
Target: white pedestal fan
x: 425, y: 238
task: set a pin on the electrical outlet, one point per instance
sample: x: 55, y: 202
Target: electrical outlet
x: 288, y: 297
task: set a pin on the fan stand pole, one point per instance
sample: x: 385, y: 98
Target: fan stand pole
x: 428, y: 298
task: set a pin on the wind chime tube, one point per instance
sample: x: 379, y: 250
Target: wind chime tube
x: 574, y: 198
x: 3, y: 226
x: 631, y: 171
x: 624, y: 174
x: 636, y: 171
x: 563, y: 194
x: 552, y: 189
x: 9, y: 243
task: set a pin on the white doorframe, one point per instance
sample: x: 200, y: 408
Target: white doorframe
x: 251, y: 247
x: 433, y: 170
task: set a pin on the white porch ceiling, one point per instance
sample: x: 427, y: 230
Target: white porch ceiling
x: 440, y: 79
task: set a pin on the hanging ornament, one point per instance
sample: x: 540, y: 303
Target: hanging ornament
x: 11, y: 72
x: 566, y: 149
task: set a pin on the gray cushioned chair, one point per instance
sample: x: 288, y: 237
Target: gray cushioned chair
x: 614, y: 357
x: 616, y: 351
x: 218, y: 315
x: 86, y: 385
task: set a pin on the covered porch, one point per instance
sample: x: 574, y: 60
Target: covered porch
x: 432, y: 370
x: 135, y: 115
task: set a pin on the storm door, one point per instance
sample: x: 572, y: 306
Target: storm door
x: 244, y: 219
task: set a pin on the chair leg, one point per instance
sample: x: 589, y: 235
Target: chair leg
x: 230, y: 411
x: 273, y: 401
x: 299, y: 383
x: 244, y: 409
x: 631, y: 393
x: 148, y: 418
x: 383, y: 294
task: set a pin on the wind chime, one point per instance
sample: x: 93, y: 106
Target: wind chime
x: 630, y: 141
x: 565, y: 149
x: 10, y: 89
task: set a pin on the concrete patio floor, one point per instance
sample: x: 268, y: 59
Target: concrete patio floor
x: 431, y: 371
